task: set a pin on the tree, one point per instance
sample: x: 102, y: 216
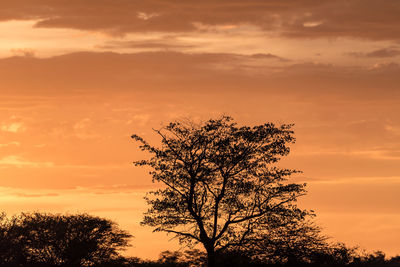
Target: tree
x: 221, y: 182
x: 40, y: 239
x: 290, y: 242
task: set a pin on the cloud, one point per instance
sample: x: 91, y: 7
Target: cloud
x: 21, y: 162
x: 267, y: 56
x: 27, y: 195
x: 150, y: 45
x: 139, y: 119
x: 147, y: 45
x: 17, y: 102
x: 82, y: 124
x: 380, y: 53
x: 371, y: 19
x: 13, y: 143
x: 118, y: 189
x: 311, y: 24
x: 13, y: 127
x: 83, y: 129
x: 23, y: 52
x: 379, y: 154
x: 385, y: 67
x: 140, y: 72
x: 392, y: 128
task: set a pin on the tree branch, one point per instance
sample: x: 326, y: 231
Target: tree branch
x: 182, y: 233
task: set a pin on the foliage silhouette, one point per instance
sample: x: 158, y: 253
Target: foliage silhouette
x: 334, y: 255
x: 289, y: 241
x: 39, y: 239
x: 222, y: 186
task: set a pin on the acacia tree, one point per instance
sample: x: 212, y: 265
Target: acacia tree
x: 221, y: 181
x: 41, y: 239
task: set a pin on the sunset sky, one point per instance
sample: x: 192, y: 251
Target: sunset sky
x: 78, y: 77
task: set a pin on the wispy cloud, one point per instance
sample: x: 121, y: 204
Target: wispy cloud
x: 380, y: 53
x: 29, y: 195
x: 13, y: 127
x: 21, y: 162
x: 23, y: 52
x: 13, y: 143
x: 83, y: 129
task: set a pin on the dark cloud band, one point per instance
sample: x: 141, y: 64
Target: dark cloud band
x: 370, y: 19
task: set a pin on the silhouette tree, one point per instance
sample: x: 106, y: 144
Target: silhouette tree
x: 39, y: 239
x: 290, y: 241
x: 221, y: 181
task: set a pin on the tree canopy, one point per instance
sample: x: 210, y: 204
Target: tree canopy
x: 222, y: 186
x: 41, y: 239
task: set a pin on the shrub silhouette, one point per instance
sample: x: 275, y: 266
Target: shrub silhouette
x: 41, y: 239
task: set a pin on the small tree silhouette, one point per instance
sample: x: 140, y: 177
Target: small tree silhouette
x: 222, y: 186
x: 291, y: 242
x: 40, y: 239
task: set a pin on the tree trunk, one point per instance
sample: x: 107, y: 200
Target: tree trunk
x: 210, y: 256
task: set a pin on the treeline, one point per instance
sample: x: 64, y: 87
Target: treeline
x: 347, y: 257
x: 44, y: 240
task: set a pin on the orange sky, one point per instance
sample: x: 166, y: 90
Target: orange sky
x: 79, y: 77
